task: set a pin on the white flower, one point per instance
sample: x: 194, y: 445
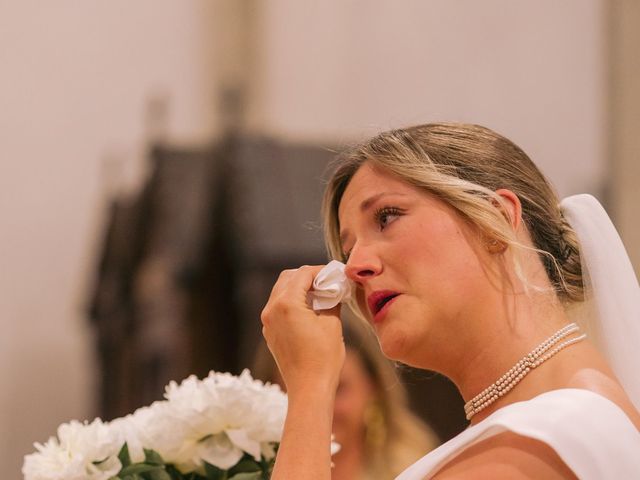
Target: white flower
x: 82, y: 451
x: 154, y: 428
x: 224, y: 416
x: 335, y: 446
x: 131, y: 428
x: 215, y: 420
x: 218, y: 450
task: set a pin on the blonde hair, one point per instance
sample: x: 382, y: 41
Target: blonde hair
x: 396, y: 437
x: 464, y: 165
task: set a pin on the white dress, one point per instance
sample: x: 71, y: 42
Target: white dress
x: 591, y: 434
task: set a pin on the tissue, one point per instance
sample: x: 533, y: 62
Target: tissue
x: 330, y: 287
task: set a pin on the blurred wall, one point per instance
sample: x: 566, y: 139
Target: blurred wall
x: 83, y: 85
x: 624, y: 141
x: 532, y: 70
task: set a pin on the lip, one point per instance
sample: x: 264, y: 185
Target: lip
x: 379, y: 302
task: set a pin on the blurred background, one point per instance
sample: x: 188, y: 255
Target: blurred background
x: 162, y: 160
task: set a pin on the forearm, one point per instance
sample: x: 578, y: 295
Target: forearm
x: 304, y: 452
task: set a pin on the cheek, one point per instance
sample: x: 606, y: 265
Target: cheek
x: 349, y: 411
x: 347, y: 404
x: 362, y: 303
x: 439, y: 256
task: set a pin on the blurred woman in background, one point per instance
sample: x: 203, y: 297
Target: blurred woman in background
x: 378, y: 435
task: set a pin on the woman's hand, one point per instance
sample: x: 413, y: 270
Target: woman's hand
x: 309, y: 350
x: 307, y: 345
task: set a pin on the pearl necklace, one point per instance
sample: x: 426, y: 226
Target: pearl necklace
x: 533, y: 359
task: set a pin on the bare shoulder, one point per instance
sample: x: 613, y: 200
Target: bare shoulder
x: 506, y: 456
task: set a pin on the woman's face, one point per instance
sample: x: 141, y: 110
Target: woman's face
x: 355, y: 393
x: 416, y: 263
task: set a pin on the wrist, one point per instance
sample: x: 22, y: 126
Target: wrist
x: 305, y: 447
x: 316, y: 394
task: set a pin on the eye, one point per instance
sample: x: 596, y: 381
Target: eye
x: 386, y: 215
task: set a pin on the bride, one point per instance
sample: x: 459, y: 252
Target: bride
x: 464, y: 263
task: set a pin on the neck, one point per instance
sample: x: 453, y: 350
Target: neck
x: 349, y: 461
x: 517, y: 328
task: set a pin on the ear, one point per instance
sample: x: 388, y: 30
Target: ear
x: 511, y: 207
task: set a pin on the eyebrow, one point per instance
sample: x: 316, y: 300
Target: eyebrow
x: 365, y: 205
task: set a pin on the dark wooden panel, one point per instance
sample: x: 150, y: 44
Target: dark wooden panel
x: 188, y: 264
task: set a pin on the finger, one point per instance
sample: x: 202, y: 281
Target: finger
x: 290, y: 290
x: 286, y: 273
x: 330, y: 312
x: 305, y: 275
x: 298, y: 281
x: 281, y: 282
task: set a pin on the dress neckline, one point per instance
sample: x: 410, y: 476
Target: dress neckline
x: 561, y: 418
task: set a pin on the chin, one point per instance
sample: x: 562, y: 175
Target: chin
x: 392, y: 342
x: 402, y: 346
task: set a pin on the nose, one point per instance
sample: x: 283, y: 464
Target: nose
x: 362, y: 265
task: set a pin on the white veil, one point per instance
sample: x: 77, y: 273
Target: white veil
x: 611, y: 313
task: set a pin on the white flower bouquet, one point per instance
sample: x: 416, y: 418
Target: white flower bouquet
x: 223, y: 427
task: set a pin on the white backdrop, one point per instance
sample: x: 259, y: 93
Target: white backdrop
x: 532, y: 70
x: 75, y: 81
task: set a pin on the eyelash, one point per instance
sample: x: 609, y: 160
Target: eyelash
x: 384, y: 212
x: 378, y: 216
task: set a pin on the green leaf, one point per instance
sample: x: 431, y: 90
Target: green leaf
x: 177, y: 475
x: 138, y: 468
x: 123, y: 455
x: 135, y: 476
x: 246, y: 465
x: 159, y: 475
x: 267, y: 465
x: 214, y: 473
x: 152, y: 457
x: 247, y: 476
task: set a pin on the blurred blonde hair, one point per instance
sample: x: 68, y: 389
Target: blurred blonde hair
x: 464, y: 165
x: 396, y: 437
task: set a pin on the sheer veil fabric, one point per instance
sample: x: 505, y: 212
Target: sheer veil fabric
x: 611, y: 313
